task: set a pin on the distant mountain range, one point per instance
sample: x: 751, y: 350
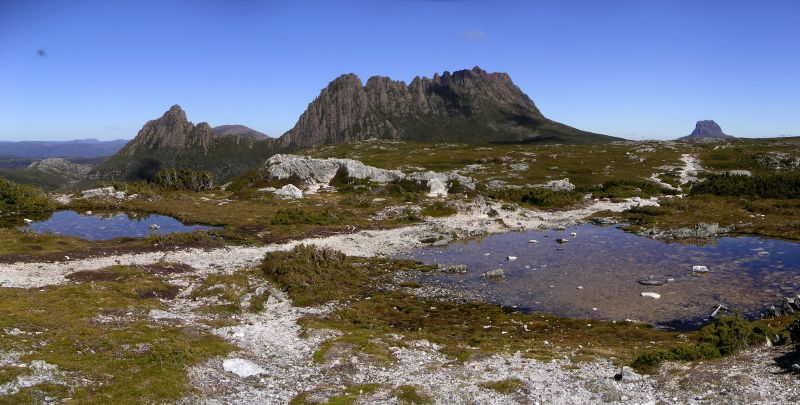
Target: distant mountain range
x: 706, y: 129
x: 86, y: 148
x: 469, y: 106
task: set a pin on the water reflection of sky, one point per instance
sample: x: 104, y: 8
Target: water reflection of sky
x: 746, y: 273
x: 109, y: 226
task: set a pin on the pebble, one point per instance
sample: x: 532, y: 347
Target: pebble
x: 651, y: 295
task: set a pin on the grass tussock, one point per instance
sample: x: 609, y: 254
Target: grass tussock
x: 506, y: 386
x: 438, y: 209
x: 537, y: 197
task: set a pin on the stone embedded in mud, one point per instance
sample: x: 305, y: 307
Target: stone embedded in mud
x: 242, y: 367
x: 651, y: 295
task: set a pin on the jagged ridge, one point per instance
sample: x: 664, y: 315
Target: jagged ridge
x: 466, y: 106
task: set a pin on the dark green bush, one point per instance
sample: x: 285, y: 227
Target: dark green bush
x: 724, y: 337
x: 629, y: 188
x: 296, y: 216
x: 778, y: 185
x: 536, y: 196
x: 22, y: 199
x: 184, y: 179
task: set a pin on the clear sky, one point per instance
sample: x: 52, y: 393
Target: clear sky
x: 636, y: 69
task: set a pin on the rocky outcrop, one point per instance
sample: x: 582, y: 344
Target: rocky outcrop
x: 466, y: 105
x: 312, y: 171
x: 706, y: 129
x: 63, y: 168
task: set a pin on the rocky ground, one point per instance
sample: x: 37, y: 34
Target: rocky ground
x: 275, y: 361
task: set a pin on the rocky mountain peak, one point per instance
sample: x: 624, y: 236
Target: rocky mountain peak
x: 466, y: 105
x: 706, y: 129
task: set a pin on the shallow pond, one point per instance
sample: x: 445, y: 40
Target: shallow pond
x: 110, y: 226
x: 597, y: 274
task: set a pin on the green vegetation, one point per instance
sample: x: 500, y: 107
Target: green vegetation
x: 724, y: 337
x: 537, y: 197
x: 127, y: 360
x: 438, y: 209
x: 22, y: 199
x: 184, y: 179
x: 296, y: 215
x: 785, y: 185
x: 630, y: 188
x: 410, y: 395
x: 506, y: 386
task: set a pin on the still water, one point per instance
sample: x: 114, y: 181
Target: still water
x: 597, y: 274
x: 110, y: 226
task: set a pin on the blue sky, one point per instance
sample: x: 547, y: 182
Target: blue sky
x: 636, y: 69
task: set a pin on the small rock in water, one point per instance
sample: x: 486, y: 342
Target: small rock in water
x: 651, y: 295
x: 496, y: 273
x: 699, y: 269
x: 651, y: 282
x: 533, y: 241
x: 573, y: 234
x: 452, y: 268
x: 28, y: 221
x: 562, y: 240
x: 88, y: 212
x: 580, y: 287
x: 511, y: 258
x: 154, y: 227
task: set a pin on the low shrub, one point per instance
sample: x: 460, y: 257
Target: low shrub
x: 184, y: 179
x: 296, y: 216
x: 438, y: 209
x: 22, y: 199
x: 537, y: 196
x: 785, y: 185
x: 629, y: 188
x: 724, y: 337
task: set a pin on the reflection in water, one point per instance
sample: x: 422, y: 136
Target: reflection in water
x: 103, y: 226
x: 746, y: 274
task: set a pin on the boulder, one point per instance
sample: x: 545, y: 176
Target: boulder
x: 289, y: 191
x: 105, y: 192
x: 559, y: 185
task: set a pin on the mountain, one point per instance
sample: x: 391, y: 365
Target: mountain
x: 239, y: 130
x: 470, y: 106
x: 706, y: 129
x: 87, y: 148
x: 173, y: 141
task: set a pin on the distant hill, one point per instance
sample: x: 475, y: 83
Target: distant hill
x: 86, y: 148
x: 239, y: 130
x: 706, y: 129
x: 173, y: 141
x: 469, y: 106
